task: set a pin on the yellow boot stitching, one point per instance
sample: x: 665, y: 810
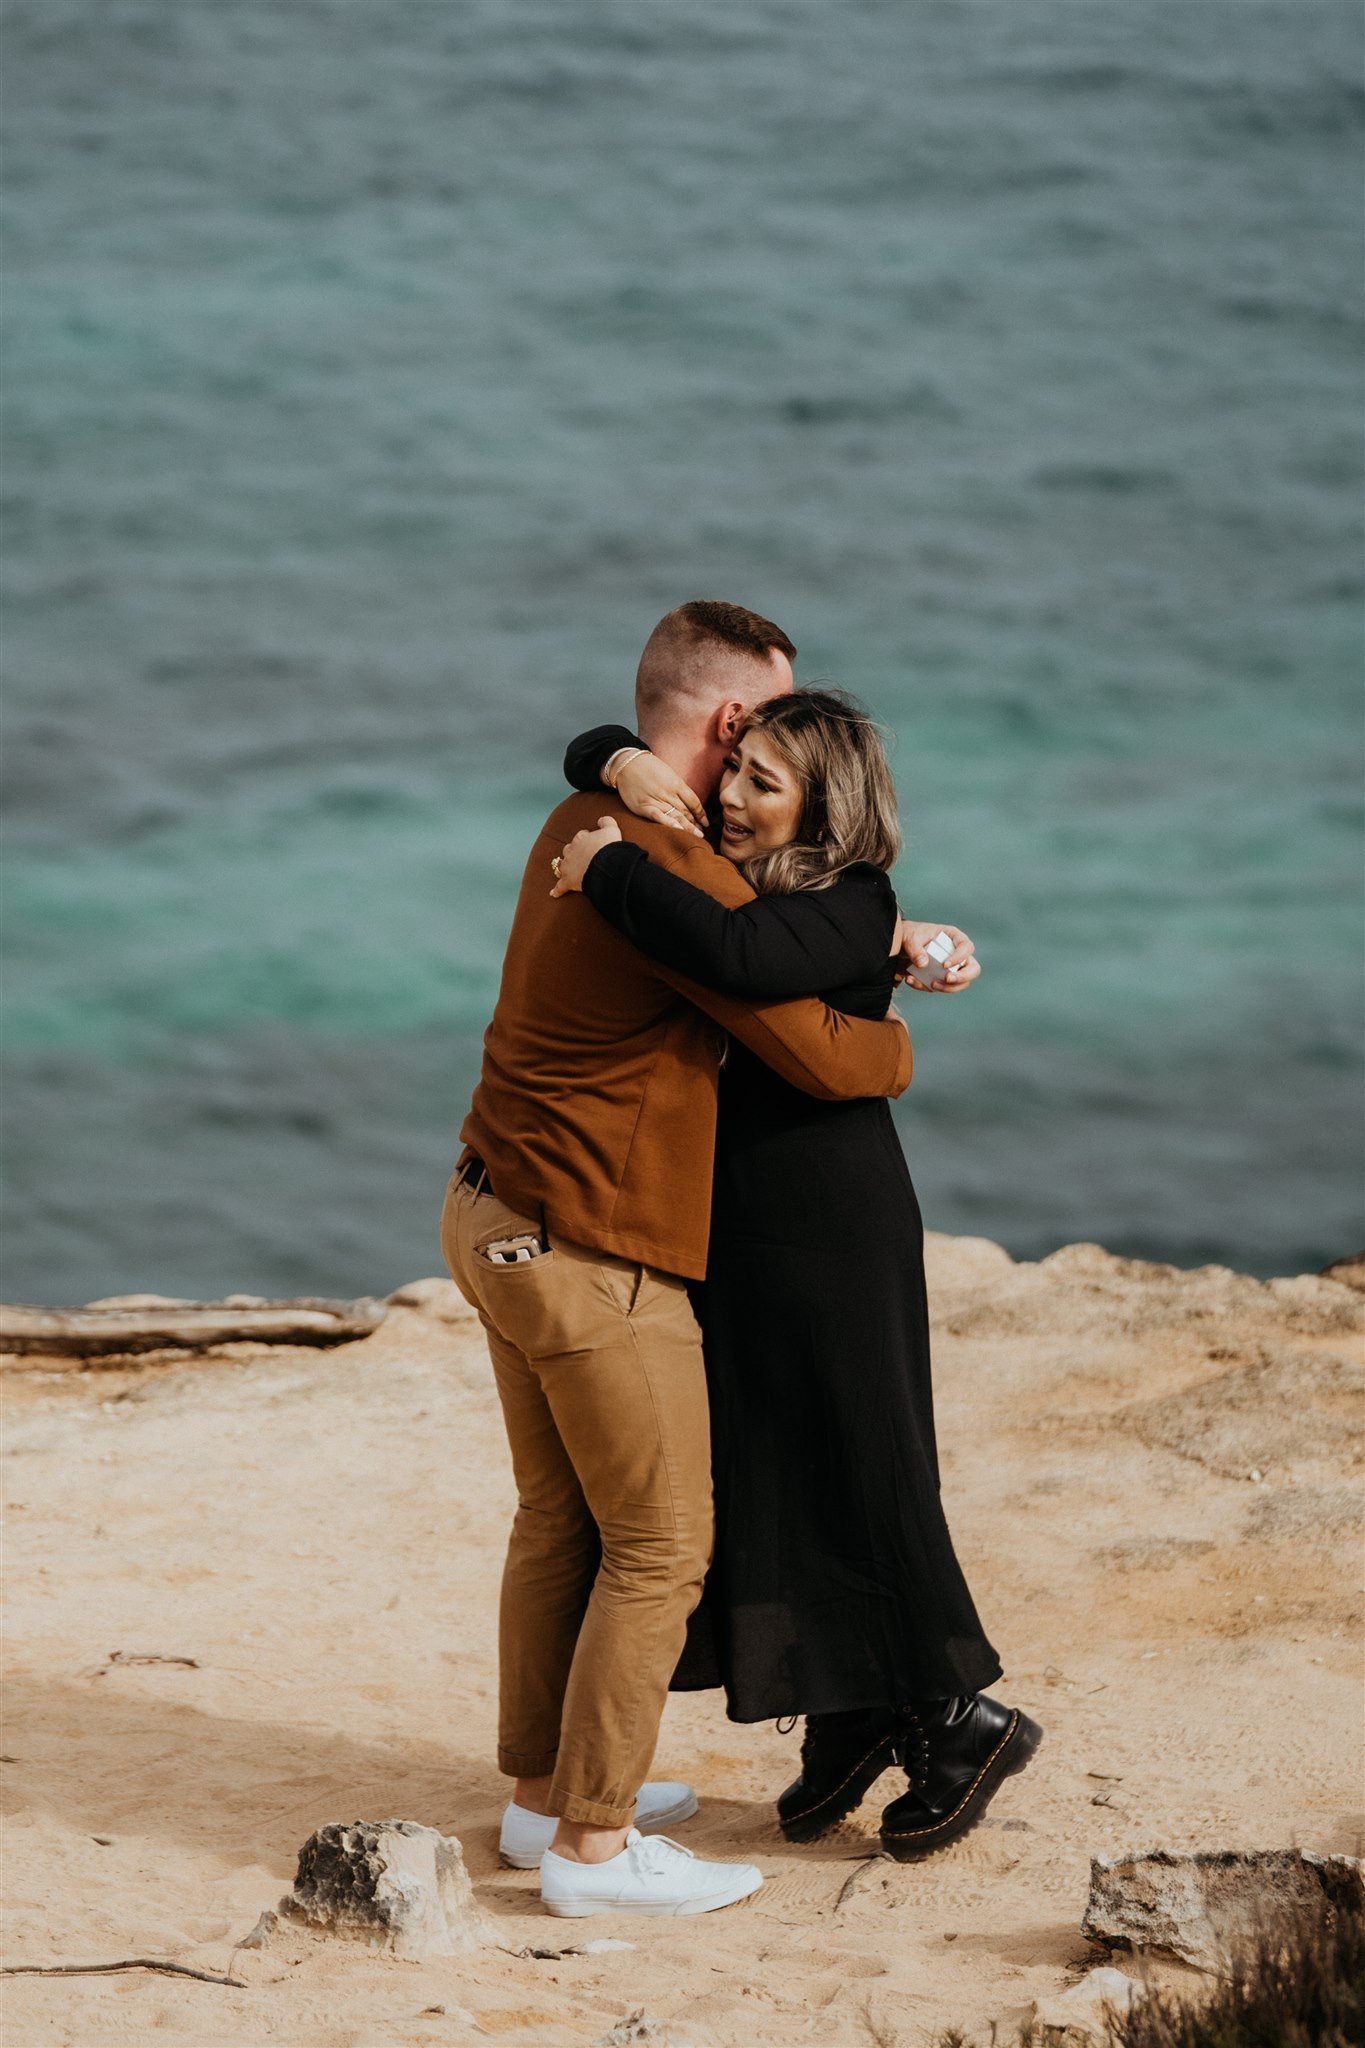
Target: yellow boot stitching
x: 904, y: 1834
x: 839, y: 1788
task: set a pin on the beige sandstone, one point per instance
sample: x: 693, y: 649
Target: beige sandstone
x: 1153, y: 1480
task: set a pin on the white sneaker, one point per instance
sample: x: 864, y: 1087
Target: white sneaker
x: 526, y: 1836
x: 653, y: 1876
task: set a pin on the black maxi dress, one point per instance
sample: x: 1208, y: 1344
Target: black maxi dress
x: 834, y: 1584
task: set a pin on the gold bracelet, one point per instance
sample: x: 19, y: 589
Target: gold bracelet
x: 618, y: 761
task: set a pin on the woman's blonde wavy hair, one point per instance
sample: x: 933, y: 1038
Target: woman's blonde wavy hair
x: 848, y: 811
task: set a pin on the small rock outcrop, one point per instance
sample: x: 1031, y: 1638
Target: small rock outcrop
x: 1199, y: 1906
x: 641, y: 2026
x: 440, y: 1299
x: 1084, y: 2009
x: 392, y: 1883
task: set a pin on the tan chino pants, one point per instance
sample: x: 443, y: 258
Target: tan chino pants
x: 599, y: 1369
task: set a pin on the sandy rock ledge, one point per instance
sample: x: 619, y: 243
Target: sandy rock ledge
x: 1201, y: 1905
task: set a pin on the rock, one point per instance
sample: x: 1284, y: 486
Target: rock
x: 636, y: 2026
x: 260, y: 1933
x: 1278, y: 1410
x: 640, y: 2025
x: 953, y: 1262
x: 1314, y: 1304
x: 152, y: 1301
x: 1317, y: 1516
x: 1084, y: 1292
x: 1152, y: 1553
x: 1349, y: 1272
x: 393, y: 1883
x: 1198, y: 1906
x: 141, y: 1323
x: 1083, y: 2009
x: 1092, y: 1262
x: 440, y: 1299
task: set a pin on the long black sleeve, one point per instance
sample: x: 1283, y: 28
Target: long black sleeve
x: 776, y: 946
x: 589, y: 754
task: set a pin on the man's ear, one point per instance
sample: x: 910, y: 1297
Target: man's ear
x: 729, y: 719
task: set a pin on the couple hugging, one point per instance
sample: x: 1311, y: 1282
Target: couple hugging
x: 686, y: 1223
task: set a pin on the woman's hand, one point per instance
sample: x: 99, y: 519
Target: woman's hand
x: 958, y: 971
x: 571, y: 865
x: 650, y: 788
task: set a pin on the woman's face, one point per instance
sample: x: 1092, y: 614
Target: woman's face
x: 761, y: 800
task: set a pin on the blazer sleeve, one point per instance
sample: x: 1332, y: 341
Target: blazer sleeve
x: 818, y: 1049
x: 792, y: 945
x: 590, y: 752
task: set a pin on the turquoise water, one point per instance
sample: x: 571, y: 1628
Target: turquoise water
x: 378, y: 374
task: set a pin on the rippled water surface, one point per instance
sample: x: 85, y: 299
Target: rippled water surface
x: 378, y: 374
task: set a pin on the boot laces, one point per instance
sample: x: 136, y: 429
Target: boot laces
x: 915, y: 1749
x: 809, y: 1738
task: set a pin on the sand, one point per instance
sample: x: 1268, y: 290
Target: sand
x: 1150, y: 1475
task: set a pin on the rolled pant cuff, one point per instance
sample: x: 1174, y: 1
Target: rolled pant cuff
x: 525, y: 1763
x: 590, y: 1813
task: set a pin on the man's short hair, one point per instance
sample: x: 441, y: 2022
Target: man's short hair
x: 706, y: 648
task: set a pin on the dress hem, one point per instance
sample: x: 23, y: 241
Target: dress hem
x: 863, y: 1702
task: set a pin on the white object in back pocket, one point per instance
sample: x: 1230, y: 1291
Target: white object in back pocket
x: 512, y: 1251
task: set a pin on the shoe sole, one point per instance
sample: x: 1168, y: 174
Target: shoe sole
x: 1015, y: 1751
x: 819, y: 1819
x: 670, y: 1818
x: 583, y: 1909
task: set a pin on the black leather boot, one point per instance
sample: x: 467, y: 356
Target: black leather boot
x: 957, y: 1754
x: 842, y: 1756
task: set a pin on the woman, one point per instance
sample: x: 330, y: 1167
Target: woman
x: 835, y: 1592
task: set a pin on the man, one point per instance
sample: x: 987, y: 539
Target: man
x: 578, y: 1210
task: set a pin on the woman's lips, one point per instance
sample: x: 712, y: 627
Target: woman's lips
x: 735, y: 832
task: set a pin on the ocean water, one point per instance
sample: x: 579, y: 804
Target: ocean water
x: 377, y: 374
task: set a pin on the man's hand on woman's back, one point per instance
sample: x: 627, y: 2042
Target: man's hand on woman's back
x: 571, y: 865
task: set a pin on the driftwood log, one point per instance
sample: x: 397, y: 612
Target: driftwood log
x: 157, y: 1323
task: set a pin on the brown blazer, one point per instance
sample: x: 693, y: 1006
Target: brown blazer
x: 597, y: 1103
